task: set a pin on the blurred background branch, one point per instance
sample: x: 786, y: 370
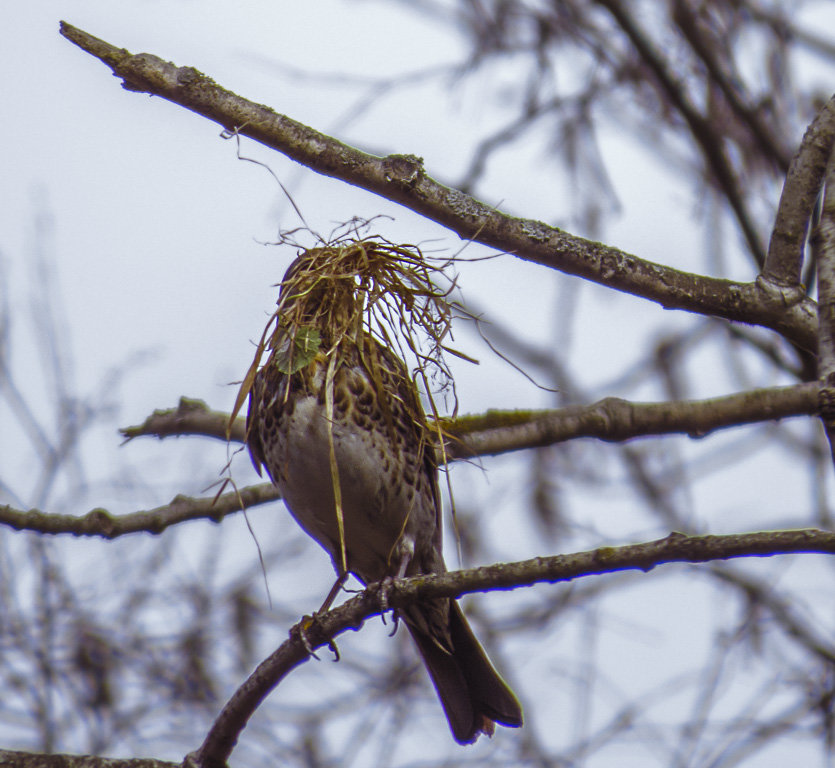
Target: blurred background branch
x: 675, y: 131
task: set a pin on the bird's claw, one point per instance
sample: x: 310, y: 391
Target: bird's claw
x: 334, y: 650
x: 395, y: 615
x: 384, y: 589
x: 302, y: 627
x: 305, y: 623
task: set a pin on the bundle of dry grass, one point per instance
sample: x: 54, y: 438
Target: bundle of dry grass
x: 350, y: 295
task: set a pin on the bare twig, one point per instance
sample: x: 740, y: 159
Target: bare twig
x: 782, y: 611
x: 783, y: 26
x: 697, y: 34
x: 99, y: 522
x: 703, y: 132
x: 190, y: 417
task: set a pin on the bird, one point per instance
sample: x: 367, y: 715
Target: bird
x: 336, y: 421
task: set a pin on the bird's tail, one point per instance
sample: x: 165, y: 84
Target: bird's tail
x: 472, y: 693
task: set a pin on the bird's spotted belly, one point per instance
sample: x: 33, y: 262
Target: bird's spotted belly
x: 374, y: 506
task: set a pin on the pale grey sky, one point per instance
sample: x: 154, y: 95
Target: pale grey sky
x: 155, y: 226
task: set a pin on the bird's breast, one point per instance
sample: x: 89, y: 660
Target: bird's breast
x: 373, y: 506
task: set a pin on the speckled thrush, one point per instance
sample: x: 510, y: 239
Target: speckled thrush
x: 329, y: 399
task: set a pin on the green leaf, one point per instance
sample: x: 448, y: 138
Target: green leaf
x: 298, y: 351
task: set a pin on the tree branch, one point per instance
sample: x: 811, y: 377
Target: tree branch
x: 190, y: 417
x: 10, y: 759
x: 492, y: 433
x: 616, y: 420
x: 800, y: 191
x: 709, y: 142
x: 99, y: 522
x: 825, y: 246
x: 497, y: 432
x: 319, y: 631
x: 402, y: 178
x: 782, y: 610
x: 703, y: 40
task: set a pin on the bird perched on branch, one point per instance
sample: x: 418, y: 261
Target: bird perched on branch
x: 337, y: 422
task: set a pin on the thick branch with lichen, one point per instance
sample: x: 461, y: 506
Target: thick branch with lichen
x: 402, y: 179
x: 496, y: 432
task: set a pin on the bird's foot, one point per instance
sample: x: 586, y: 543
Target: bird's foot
x: 384, y: 589
x: 301, y: 631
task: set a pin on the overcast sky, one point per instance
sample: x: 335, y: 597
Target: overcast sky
x: 155, y: 223
x: 155, y: 229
